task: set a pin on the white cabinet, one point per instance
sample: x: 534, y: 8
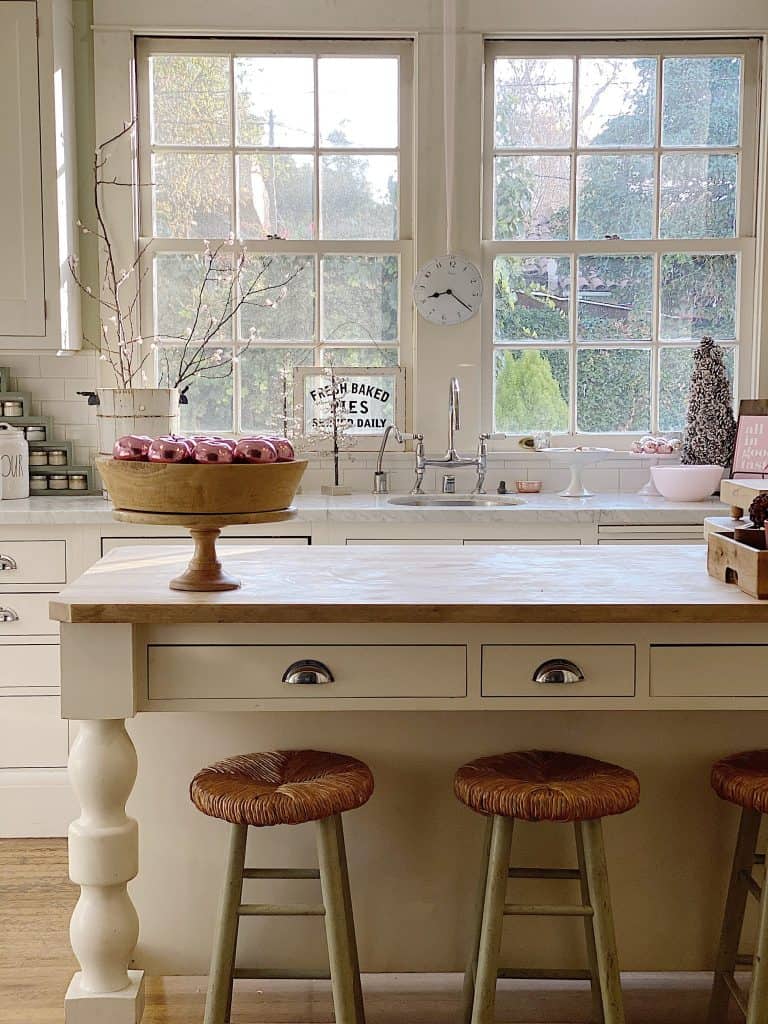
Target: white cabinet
x: 22, y: 276
x: 39, y: 305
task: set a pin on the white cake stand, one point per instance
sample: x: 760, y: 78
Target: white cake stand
x: 577, y: 460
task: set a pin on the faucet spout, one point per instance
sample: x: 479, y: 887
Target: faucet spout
x: 454, y: 412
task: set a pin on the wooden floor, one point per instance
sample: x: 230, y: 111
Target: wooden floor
x: 36, y: 900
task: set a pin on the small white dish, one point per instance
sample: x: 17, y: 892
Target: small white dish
x: 686, y: 483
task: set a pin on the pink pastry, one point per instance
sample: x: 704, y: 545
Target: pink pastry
x: 132, y: 447
x: 256, y: 449
x: 170, y: 449
x: 213, y: 452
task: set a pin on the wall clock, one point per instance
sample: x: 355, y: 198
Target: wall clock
x: 448, y: 290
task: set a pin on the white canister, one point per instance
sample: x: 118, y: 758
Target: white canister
x: 14, y: 462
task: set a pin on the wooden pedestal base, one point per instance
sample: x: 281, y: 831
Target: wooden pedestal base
x: 204, y: 574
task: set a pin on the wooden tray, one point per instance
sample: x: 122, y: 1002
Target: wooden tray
x: 740, y: 494
x: 732, y: 562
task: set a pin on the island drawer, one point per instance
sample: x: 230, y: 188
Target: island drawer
x: 241, y: 671
x: 26, y: 615
x: 709, y: 670
x: 509, y: 670
x: 32, y: 561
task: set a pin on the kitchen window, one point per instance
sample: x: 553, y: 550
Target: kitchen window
x: 619, y: 227
x: 302, y: 152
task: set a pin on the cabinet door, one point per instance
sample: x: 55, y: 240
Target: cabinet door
x: 22, y: 282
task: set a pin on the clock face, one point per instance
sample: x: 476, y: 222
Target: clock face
x: 448, y: 290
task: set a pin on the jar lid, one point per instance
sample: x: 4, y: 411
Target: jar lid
x: 57, y: 476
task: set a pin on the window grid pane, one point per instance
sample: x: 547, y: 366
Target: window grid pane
x: 634, y: 174
x: 252, y: 165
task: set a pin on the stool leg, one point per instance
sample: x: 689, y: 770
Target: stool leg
x: 468, y: 993
x: 223, y: 958
x: 350, y: 921
x: 733, y: 917
x: 757, y: 1007
x: 336, y: 928
x: 493, y: 921
x: 605, y: 939
x: 589, y: 933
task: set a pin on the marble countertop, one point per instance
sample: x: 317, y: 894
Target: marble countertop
x: 610, y: 509
x: 425, y: 584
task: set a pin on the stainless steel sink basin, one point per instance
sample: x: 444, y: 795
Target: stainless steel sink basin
x: 457, y: 500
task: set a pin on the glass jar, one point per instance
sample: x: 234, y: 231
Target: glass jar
x: 78, y: 482
x: 38, y: 458
x: 13, y: 407
x: 38, y: 482
x: 57, y: 457
x: 35, y: 432
x: 58, y: 481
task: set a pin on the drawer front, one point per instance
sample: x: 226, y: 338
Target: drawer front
x: 26, y: 615
x: 509, y: 669
x: 398, y: 540
x: 25, y: 665
x: 538, y: 543
x: 32, y: 735
x: 110, y: 543
x: 709, y: 670
x: 178, y: 672
x: 32, y: 561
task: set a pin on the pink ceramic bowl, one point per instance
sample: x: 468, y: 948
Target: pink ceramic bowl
x: 686, y: 483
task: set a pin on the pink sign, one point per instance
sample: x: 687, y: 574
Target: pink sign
x: 751, y: 456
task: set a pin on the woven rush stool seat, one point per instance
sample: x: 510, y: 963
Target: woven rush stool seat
x: 281, y: 787
x: 541, y: 785
x: 743, y: 779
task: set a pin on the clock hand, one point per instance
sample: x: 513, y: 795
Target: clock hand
x: 455, y: 296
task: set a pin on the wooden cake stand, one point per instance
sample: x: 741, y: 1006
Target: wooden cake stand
x: 204, y: 572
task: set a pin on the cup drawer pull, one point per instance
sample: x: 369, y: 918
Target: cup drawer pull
x: 307, y: 673
x: 7, y: 563
x: 558, y: 670
x: 8, y: 615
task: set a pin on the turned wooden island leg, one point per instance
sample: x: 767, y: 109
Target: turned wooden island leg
x: 103, y: 858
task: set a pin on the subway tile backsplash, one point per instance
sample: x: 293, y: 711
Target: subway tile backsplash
x: 53, y: 382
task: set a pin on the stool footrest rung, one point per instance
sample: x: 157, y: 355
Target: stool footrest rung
x: 534, y: 974
x: 738, y: 995
x: 543, y: 873
x: 278, y: 975
x: 753, y: 888
x: 547, y: 910
x: 281, y: 910
x: 744, y: 960
x: 281, y: 873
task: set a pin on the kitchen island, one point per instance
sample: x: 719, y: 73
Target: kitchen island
x: 406, y: 629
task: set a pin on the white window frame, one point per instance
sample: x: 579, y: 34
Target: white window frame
x: 743, y: 244
x: 402, y: 247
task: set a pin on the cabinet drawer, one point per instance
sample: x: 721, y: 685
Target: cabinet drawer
x: 32, y: 735
x: 32, y: 561
x: 26, y: 615
x: 608, y: 670
x: 177, y: 672
x: 709, y: 670
x: 26, y: 665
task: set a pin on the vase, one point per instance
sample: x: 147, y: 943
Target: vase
x: 151, y: 411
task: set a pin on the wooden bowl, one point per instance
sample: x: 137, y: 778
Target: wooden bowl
x: 235, y: 488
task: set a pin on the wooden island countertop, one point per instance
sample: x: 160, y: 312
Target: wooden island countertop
x: 430, y: 584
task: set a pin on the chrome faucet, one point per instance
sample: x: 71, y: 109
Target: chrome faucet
x: 452, y: 459
x: 380, y: 477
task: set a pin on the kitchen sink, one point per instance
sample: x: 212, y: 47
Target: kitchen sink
x: 457, y: 500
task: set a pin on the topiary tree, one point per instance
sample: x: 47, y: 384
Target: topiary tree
x: 710, y: 433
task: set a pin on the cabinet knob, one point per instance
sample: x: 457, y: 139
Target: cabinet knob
x: 8, y: 615
x: 307, y: 673
x: 7, y: 563
x: 558, y: 670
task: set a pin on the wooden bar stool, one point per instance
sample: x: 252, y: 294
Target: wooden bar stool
x: 742, y: 779
x: 539, y: 785
x: 286, y: 787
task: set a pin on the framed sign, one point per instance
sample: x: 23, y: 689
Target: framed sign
x: 366, y: 400
x: 750, y: 457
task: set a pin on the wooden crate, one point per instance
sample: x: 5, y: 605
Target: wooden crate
x: 732, y: 562
x: 740, y: 494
